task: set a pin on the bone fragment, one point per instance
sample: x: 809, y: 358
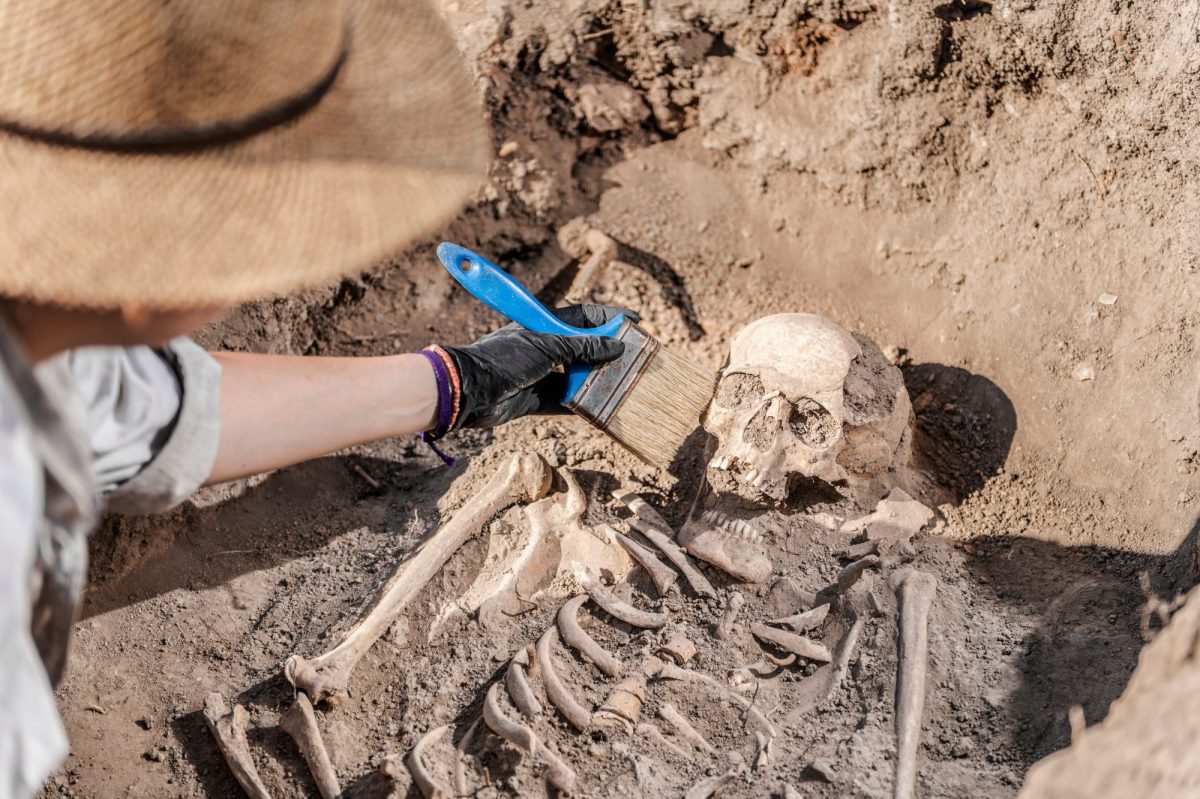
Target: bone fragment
x: 648, y: 730
x: 856, y: 551
x: 570, y: 632
x: 731, y: 545
x: 672, y: 716
x: 228, y: 726
x: 301, y: 723
x: 711, y: 785
x: 625, y: 702
x: 815, y: 689
x: 678, y: 647
x: 661, y: 575
x: 897, y: 517
x: 562, y: 699
x: 797, y: 644
x: 425, y: 781
x: 620, y: 609
x: 786, y: 791
x: 802, y: 622
x: 649, y: 523
x: 392, y: 767
x: 559, y: 774
x: 762, y: 757
x: 846, y: 578
x: 603, y: 252
x: 915, y: 591
x: 515, y: 679
x: 526, y: 477
x: 725, y: 627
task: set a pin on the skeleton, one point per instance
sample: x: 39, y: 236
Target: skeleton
x: 915, y: 591
x: 802, y: 398
x: 228, y: 726
x: 526, y: 477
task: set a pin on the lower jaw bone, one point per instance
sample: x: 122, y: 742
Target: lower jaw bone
x: 526, y: 477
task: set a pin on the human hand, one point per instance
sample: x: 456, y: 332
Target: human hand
x: 514, y: 372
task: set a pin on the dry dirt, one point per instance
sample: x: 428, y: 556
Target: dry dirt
x: 1001, y: 194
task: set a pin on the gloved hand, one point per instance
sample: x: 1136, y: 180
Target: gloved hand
x: 512, y: 372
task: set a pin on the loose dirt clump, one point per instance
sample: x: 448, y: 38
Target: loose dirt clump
x: 1001, y: 194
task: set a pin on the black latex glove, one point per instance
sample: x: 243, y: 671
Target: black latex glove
x: 512, y: 372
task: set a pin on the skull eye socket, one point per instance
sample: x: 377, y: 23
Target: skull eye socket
x: 812, y: 424
x: 738, y: 390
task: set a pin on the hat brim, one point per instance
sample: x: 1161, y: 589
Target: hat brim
x: 388, y: 153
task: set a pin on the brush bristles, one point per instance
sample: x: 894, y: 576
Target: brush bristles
x: 663, y: 408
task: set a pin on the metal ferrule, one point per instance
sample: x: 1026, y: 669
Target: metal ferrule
x: 609, y: 384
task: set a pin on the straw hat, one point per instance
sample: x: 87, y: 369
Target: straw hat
x: 199, y: 152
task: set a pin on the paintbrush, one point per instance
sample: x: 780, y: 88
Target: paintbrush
x: 649, y: 400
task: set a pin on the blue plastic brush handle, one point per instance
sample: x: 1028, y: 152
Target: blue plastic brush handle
x: 499, y: 291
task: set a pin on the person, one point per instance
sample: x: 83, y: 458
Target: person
x: 163, y: 161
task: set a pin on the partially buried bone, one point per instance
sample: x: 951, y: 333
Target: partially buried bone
x: 800, y: 622
x: 669, y: 671
x: 796, y: 644
x: 819, y: 686
x: 524, y: 560
x: 620, y: 609
x: 603, y: 252
x: 426, y: 783
x: 648, y: 730
x: 710, y: 785
x: 517, y: 682
x: 670, y: 714
x: 915, y: 591
x: 558, y: 694
x: 460, y: 758
x: 732, y: 545
x: 678, y: 647
x: 897, y: 518
x: 725, y: 626
x: 848, y: 576
x: 574, y: 636
x: 301, y: 723
x: 624, y: 704
x: 649, y: 523
x: 661, y: 575
x: 524, y: 478
x: 228, y: 726
x: 559, y: 774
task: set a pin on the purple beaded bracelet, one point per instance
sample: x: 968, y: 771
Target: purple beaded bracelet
x: 445, y: 414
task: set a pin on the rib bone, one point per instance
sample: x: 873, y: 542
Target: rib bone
x: 801, y: 622
x: 915, y: 591
x: 425, y: 781
x: 649, y: 523
x: 574, y: 636
x: 301, y: 723
x: 518, y: 685
x: 709, y: 786
x: 526, y: 477
x: 228, y: 726
x: 619, y: 608
x: 797, y: 644
x: 672, y: 716
x: 648, y: 730
x: 662, y: 575
x: 562, y: 699
x: 560, y: 775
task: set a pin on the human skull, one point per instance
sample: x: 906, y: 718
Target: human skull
x: 802, y: 397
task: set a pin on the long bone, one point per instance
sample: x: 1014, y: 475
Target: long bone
x: 559, y: 774
x: 426, y: 782
x: 517, y: 682
x: 915, y: 591
x: 647, y: 521
x: 571, y: 633
x: 524, y: 478
x: 558, y: 694
x: 618, y: 608
x: 301, y: 723
x: 228, y: 726
x: 661, y: 575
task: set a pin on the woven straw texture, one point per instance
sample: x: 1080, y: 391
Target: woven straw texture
x: 205, y: 152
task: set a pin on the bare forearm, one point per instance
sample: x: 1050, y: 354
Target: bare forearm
x: 278, y: 410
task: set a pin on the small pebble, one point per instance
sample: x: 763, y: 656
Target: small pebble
x: 1107, y: 299
x: 1083, y: 372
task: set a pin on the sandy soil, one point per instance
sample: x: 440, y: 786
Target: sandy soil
x: 998, y: 192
